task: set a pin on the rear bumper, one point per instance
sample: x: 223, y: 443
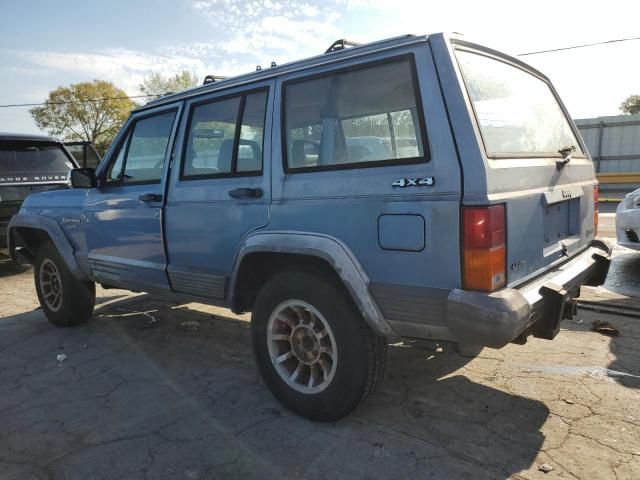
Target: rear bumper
x: 537, y: 307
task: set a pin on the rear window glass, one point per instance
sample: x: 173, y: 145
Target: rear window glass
x: 353, y: 118
x: 517, y: 112
x: 33, y: 162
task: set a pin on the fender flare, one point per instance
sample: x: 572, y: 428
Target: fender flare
x: 53, y: 231
x: 329, y: 249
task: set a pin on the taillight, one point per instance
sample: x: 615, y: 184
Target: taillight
x: 484, y: 247
x: 596, y: 198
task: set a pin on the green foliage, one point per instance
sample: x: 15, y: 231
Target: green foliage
x: 631, y: 105
x: 87, y: 111
x: 158, y: 85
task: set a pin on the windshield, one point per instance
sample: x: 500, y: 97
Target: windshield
x: 29, y: 162
x: 517, y: 112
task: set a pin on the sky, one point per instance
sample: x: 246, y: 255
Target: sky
x: 47, y: 44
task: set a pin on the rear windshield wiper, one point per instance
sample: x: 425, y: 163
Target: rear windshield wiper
x: 566, y: 153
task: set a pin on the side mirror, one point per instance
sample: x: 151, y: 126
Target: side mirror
x: 83, y: 178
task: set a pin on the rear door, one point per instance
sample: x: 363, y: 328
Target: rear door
x: 532, y: 160
x: 220, y: 189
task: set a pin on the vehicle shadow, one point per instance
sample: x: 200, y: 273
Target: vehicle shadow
x: 427, y: 394
x: 8, y: 268
x: 621, y: 328
x: 624, y: 274
x: 187, y: 375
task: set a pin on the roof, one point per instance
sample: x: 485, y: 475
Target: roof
x: 269, y: 72
x: 27, y: 137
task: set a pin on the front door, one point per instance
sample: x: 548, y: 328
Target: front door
x: 124, y: 214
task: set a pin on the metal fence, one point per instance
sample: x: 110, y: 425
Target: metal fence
x: 614, y: 145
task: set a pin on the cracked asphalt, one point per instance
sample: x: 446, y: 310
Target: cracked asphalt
x: 144, y: 395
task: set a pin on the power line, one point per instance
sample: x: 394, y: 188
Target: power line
x: 67, y: 102
x: 88, y: 100
x: 617, y: 40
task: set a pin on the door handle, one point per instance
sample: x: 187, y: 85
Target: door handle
x: 150, y: 198
x: 246, y: 193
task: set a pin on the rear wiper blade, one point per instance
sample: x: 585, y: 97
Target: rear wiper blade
x: 566, y: 153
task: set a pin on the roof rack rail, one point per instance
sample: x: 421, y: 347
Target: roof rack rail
x: 212, y: 78
x: 341, y: 44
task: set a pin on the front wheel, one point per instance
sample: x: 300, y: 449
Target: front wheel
x: 314, y: 351
x: 65, y: 300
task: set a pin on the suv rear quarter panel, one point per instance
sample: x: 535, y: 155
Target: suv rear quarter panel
x: 349, y: 205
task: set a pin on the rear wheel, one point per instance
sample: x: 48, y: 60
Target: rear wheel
x: 314, y: 351
x: 65, y: 300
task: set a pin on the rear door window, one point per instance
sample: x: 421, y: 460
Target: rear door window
x: 517, y: 112
x: 225, y: 137
x: 354, y: 118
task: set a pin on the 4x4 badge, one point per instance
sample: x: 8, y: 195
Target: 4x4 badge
x: 414, y: 182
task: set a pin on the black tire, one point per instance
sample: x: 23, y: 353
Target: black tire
x: 361, y: 354
x: 77, y: 298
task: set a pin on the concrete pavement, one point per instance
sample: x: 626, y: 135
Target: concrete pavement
x: 154, y: 390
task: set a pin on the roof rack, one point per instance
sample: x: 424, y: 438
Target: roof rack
x: 341, y: 44
x: 212, y: 78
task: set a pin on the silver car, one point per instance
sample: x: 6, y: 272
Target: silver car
x: 628, y: 221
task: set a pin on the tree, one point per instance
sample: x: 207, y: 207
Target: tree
x: 87, y: 111
x: 158, y: 85
x: 631, y: 105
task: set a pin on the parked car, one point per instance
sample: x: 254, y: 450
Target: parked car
x: 628, y: 221
x: 29, y: 164
x: 477, y: 228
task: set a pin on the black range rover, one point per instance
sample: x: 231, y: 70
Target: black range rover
x: 29, y: 164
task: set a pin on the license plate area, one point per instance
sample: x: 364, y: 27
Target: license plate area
x: 561, y: 221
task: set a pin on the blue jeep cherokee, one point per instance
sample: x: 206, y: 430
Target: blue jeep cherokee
x: 420, y: 187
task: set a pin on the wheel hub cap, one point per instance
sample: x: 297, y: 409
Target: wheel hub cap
x: 302, y: 347
x: 50, y: 285
x: 306, y: 346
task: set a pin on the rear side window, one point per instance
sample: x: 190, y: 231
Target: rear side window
x: 225, y: 137
x: 354, y: 118
x: 140, y: 156
x: 517, y: 112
